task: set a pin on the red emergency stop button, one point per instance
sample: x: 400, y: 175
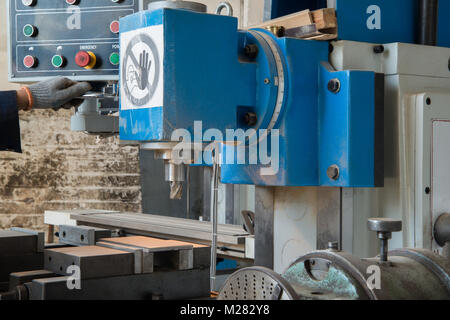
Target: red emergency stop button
x: 72, y: 2
x: 114, y: 26
x: 29, y: 61
x: 85, y: 59
x: 82, y: 59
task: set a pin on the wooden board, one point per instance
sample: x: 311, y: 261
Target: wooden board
x: 290, y: 21
x: 324, y: 19
x: 152, y: 244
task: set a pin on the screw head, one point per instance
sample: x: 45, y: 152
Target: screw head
x: 334, y: 85
x: 266, y: 81
x: 333, y: 172
x: 378, y: 49
x: 250, y: 118
x: 251, y: 51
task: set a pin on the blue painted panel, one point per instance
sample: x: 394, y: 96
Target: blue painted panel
x: 141, y: 124
x: 298, y: 143
x: 399, y: 21
x: 200, y: 84
x: 207, y: 78
x: 347, y: 128
x: 443, y: 39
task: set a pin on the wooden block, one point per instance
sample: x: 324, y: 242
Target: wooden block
x: 325, y: 18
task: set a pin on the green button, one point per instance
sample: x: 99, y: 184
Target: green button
x: 57, y: 61
x: 114, y: 58
x: 29, y: 30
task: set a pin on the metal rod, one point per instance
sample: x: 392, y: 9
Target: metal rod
x: 215, y: 185
x: 428, y: 19
x: 188, y: 192
x: 383, y: 249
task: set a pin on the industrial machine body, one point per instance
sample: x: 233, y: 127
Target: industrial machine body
x: 350, y: 129
x: 285, y: 86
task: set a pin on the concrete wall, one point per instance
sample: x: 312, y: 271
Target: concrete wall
x: 60, y: 169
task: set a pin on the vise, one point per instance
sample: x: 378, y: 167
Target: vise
x: 280, y: 113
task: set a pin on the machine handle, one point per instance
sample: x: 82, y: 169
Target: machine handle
x: 225, y: 5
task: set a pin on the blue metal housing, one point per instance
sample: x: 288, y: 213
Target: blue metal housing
x: 208, y: 78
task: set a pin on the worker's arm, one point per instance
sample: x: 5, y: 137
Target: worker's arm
x: 55, y: 93
x: 9, y: 122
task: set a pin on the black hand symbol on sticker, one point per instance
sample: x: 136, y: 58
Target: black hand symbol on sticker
x: 144, y: 69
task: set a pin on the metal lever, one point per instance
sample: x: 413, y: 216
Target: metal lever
x: 249, y: 221
x: 384, y: 228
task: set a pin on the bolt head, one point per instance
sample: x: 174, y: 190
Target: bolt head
x: 333, y: 172
x: 251, y: 51
x: 378, y: 49
x: 334, y: 85
x: 250, y: 118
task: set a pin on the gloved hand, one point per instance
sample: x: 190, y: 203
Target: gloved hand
x: 58, y: 92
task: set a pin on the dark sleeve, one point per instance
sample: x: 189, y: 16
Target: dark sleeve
x: 9, y: 122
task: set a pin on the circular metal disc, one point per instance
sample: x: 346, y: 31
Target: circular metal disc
x: 256, y: 283
x: 384, y: 225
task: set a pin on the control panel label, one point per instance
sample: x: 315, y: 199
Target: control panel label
x: 142, y: 78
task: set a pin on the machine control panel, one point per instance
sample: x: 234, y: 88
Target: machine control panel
x: 73, y: 38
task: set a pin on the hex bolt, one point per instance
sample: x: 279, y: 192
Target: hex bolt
x: 384, y: 228
x: 333, y: 172
x: 378, y: 49
x: 334, y: 85
x: 250, y: 118
x: 251, y: 51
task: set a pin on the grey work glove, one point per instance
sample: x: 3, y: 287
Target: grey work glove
x: 58, y: 92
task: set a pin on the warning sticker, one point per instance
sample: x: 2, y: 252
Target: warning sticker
x: 141, y: 77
